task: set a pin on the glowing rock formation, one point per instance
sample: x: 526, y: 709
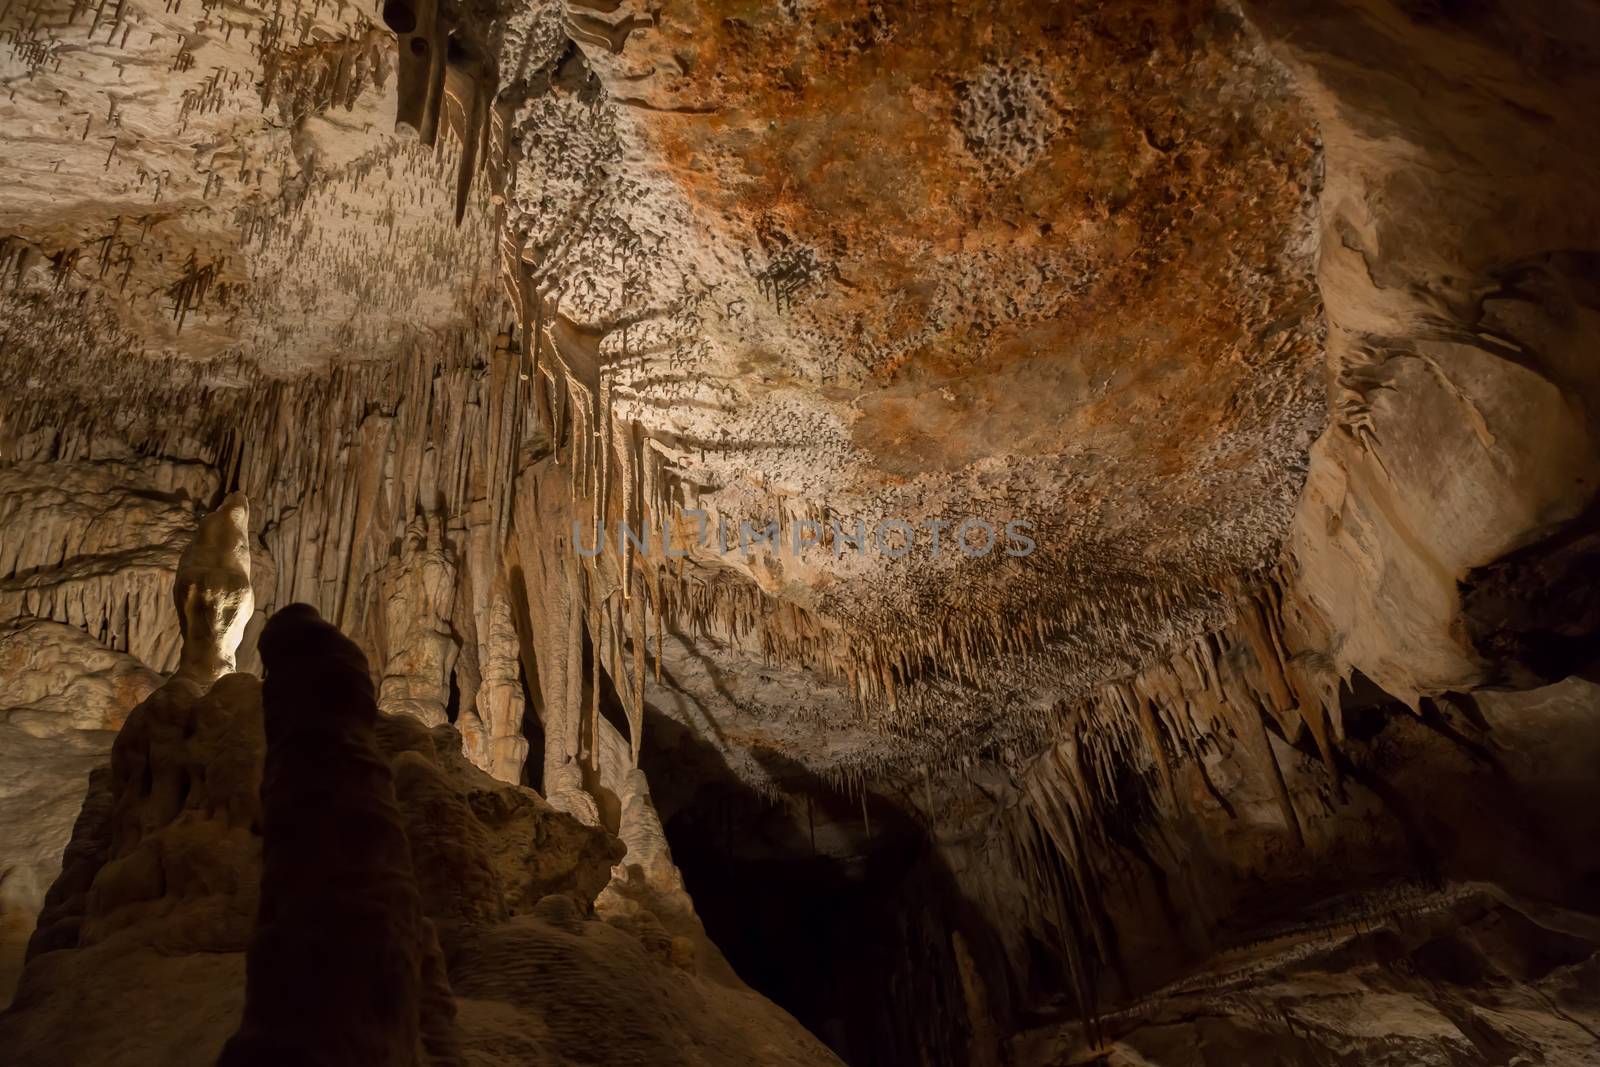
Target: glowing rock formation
x: 213, y: 593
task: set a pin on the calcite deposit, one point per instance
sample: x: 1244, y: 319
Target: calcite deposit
x: 622, y: 385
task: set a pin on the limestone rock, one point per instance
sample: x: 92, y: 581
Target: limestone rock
x: 1463, y: 980
x: 419, y: 602
x: 94, y: 545
x: 213, y: 594
x: 62, y: 699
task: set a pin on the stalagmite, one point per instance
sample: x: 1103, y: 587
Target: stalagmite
x: 343, y: 966
x: 500, y: 698
x: 419, y: 599
x: 213, y: 594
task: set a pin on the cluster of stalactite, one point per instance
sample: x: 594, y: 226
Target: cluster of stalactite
x: 316, y: 76
x: 1108, y: 785
x: 417, y: 506
x: 339, y: 467
x: 447, y: 80
x: 153, y: 282
x: 392, y: 483
x: 262, y: 433
x: 66, y: 335
x: 900, y: 673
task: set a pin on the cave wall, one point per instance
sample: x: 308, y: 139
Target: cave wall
x: 1372, y: 719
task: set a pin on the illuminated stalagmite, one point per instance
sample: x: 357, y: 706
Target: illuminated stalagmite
x: 213, y: 594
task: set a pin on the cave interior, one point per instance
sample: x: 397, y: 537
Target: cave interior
x: 909, y: 533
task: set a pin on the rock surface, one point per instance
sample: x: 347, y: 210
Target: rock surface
x: 62, y: 699
x: 94, y: 544
x: 1468, y: 978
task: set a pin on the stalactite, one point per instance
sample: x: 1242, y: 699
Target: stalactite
x: 636, y: 696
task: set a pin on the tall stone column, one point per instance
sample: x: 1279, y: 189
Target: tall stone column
x: 419, y: 590
x: 500, y: 700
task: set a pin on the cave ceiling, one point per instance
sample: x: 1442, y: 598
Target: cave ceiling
x: 819, y: 262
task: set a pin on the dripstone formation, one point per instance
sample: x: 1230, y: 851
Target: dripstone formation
x: 343, y: 967
x: 588, y: 415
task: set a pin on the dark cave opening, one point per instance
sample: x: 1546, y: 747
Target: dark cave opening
x: 532, y: 730
x: 838, y: 910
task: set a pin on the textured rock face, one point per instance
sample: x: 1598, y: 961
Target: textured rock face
x: 420, y: 603
x: 792, y: 335
x: 94, y: 545
x: 240, y: 180
x: 1466, y: 979
x: 1276, y: 321
x: 1464, y: 424
x: 62, y: 699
